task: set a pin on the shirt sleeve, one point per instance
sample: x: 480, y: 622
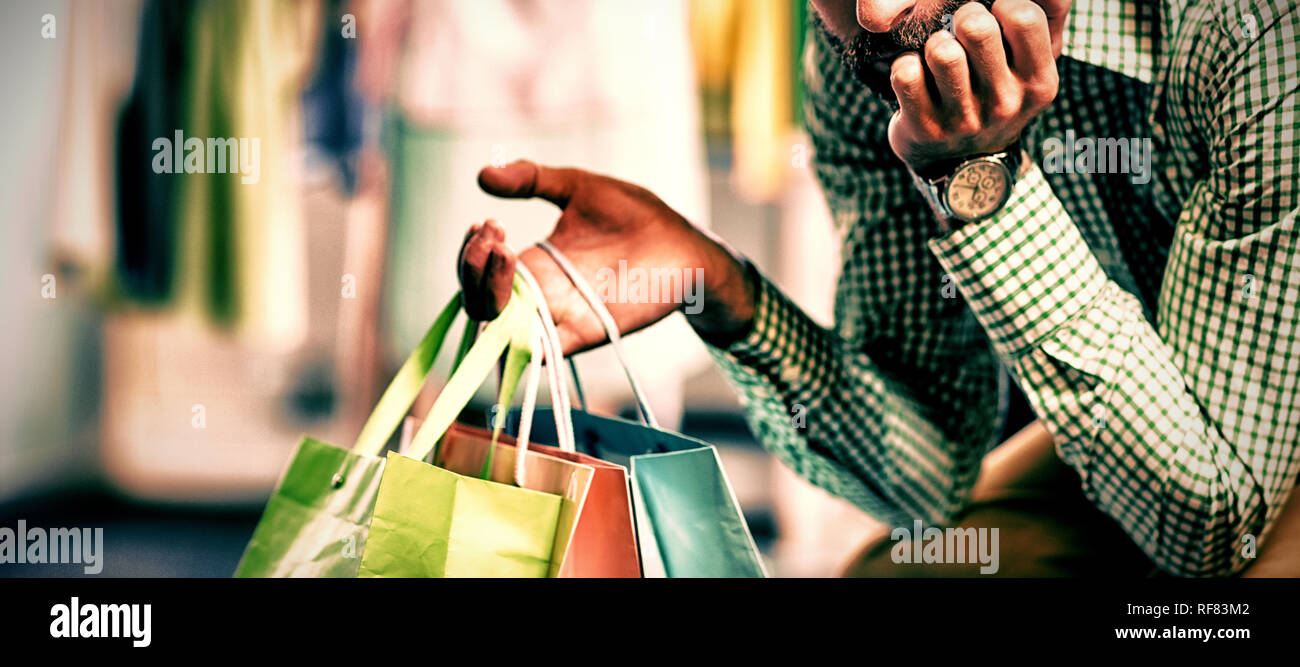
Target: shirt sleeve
x: 893, y: 407
x: 1184, y: 431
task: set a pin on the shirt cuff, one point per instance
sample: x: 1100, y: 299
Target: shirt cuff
x: 783, y: 340
x: 1026, y: 270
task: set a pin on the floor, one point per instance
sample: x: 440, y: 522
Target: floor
x: 150, y: 540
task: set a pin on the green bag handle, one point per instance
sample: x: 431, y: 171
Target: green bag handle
x: 466, y: 339
x: 519, y: 356
x: 517, y: 316
x: 401, y: 392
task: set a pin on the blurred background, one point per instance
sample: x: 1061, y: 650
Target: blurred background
x: 168, y: 337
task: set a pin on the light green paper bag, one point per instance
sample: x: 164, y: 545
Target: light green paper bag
x: 466, y: 517
x: 314, y: 526
x: 317, y: 520
x: 431, y: 522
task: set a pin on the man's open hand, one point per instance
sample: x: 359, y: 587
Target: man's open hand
x: 602, y: 221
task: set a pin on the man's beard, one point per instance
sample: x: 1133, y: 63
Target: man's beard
x: 862, y: 54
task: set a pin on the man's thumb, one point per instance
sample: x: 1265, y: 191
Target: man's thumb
x: 524, y: 179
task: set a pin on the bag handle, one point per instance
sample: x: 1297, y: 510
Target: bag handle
x: 545, y: 343
x: 532, y: 335
x: 607, y: 322
x: 474, y: 369
x: 530, y: 405
x: 554, y: 351
x: 405, y: 386
x: 521, y: 352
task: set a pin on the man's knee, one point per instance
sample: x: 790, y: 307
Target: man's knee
x: 1035, y: 537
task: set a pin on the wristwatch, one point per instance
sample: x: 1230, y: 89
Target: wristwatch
x: 972, y: 189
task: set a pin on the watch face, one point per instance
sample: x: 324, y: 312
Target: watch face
x: 978, y: 190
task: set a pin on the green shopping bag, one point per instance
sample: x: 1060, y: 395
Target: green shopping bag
x: 317, y: 519
x: 471, y: 514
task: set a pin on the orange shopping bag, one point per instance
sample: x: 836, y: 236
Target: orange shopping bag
x: 604, y: 541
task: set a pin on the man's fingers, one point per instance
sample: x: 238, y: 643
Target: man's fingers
x: 486, y: 271
x: 1024, y: 25
x: 907, y: 78
x: 464, y: 244
x: 979, y: 32
x: 487, y: 230
x: 524, y: 179
x: 474, y: 253
x: 947, y: 61
x: 1057, y: 11
x: 500, y: 276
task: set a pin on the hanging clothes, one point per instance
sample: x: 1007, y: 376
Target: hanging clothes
x: 244, y: 244
x: 96, y: 80
x: 333, y: 110
x: 747, y: 58
x: 147, y: 231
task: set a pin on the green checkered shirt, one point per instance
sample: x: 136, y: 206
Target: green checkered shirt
x: 1151, y: 322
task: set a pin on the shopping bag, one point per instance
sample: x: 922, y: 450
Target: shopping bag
x: 603, y: 544
x: 314, y: 524
x: 479, y: 510
x: 464, y: 451
x: 316, y: 521
x: 689, y: 523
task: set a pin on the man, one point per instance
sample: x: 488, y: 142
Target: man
x: 1145, y: 301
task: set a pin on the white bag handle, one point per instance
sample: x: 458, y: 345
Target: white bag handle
x: 606, y: 321
x: 554, y: 351
x: 545, y: 343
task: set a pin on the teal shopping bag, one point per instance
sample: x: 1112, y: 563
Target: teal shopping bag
x: 689, y: 523
x: 317, y: 521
